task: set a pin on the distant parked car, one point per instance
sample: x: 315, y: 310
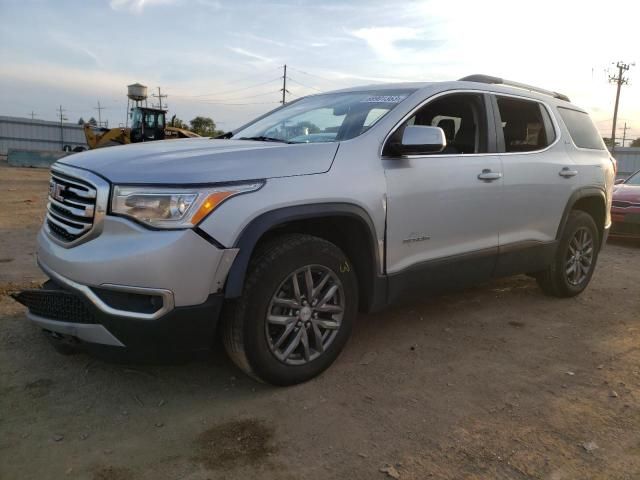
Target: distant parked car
x: 625, y: 207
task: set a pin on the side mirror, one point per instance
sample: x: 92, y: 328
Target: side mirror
x: 420, y: 140
x: 619, y: 181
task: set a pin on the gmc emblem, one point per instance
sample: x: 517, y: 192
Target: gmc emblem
x: 55, y: 191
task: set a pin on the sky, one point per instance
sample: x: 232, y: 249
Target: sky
x: 223, y: 59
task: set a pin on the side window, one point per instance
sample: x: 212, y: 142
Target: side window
x: 462, y: 117
x: 581, y: 129
x: 372, y: 117
x: 526, y: 125
x: 150, y: 120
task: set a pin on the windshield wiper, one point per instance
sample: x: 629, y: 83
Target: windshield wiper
x: 262, y: 138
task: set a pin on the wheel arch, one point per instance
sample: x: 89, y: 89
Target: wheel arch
x: 346, y: 225
x: 591, y: 200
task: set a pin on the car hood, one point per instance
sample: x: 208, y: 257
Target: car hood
x: 627, y: 193
x: 204, y: 160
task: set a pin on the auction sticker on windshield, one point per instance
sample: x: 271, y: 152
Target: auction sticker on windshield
x: 384, y: 99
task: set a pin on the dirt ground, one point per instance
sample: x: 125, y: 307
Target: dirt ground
x: 496, y: 382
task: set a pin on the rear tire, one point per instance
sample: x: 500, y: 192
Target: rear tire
x: 296, y: 313
x: 575, y: 258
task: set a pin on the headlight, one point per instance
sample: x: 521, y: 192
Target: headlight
x: 172, y: 207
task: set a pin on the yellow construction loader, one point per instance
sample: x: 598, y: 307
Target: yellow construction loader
x: 147, y: 125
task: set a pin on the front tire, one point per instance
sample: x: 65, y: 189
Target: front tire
x: 575, y: 258
x: 296, y: 313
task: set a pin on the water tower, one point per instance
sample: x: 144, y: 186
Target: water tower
x: 136, y: 95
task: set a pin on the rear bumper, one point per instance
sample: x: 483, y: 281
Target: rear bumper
x: 68, y: 313
x: 625, y: 230
x: 626, y: 222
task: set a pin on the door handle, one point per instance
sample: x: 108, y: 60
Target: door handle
x: 489, y: 176
x: 566, y: 172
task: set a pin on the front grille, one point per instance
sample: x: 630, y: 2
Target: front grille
x: 71, y: 207
x: 56, y: 304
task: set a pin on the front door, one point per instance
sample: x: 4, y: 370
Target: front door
x: 442, y: 209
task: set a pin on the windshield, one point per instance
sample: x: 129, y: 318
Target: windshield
x: 633, y: 179
x: 329, y: 117
x: 136, y: 118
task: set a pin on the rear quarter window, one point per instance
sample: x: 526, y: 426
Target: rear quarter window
x: 581, y: 128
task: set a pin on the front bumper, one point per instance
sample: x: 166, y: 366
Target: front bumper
x: 130, y: 289
x: 130, y: 256
x: 68, y: 313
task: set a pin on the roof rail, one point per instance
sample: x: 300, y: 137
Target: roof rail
x: 501, y: 81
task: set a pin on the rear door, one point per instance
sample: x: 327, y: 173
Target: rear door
x: 539, y: 177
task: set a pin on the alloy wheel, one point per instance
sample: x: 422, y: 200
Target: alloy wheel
x: 579, y: 258
x: 305, y: 314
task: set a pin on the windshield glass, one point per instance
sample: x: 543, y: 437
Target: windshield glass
x: 136, y: 118
x: 329, y: 117
x: 634, y: 179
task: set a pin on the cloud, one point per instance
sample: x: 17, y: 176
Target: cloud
x: 249, y: 36
x: 212, y: 4
x: 383, y: 40
x: 339, y: 76
x: 254, y: 56
x: 79, y: 80
x: 137, y: 6
x: 75, y: 46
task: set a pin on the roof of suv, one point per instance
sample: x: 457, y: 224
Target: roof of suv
x: 478, y: 82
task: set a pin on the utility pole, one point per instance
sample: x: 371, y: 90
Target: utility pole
x: 624, y: 133
x: 620, y: 80
x: 284, y: 86
x: 62, y: 119
x: 33, y: 115
x: 159, y: 96
x: 99, y: 108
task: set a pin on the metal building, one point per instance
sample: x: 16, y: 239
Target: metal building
x: 628, y: 160
x: 25, y: 133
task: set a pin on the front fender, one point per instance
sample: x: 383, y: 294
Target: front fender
x: 252, y: 233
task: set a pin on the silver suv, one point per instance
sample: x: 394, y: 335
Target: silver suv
x: 332, y: 204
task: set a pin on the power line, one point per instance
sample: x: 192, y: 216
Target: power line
x: 305, y: 86
x: 235, y: 104
x: 270, y: 92
x: 231, y: 81
x: 159, y: 96
x: 229, y: 91
x: 313, y: 75
x: 619, y: 80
